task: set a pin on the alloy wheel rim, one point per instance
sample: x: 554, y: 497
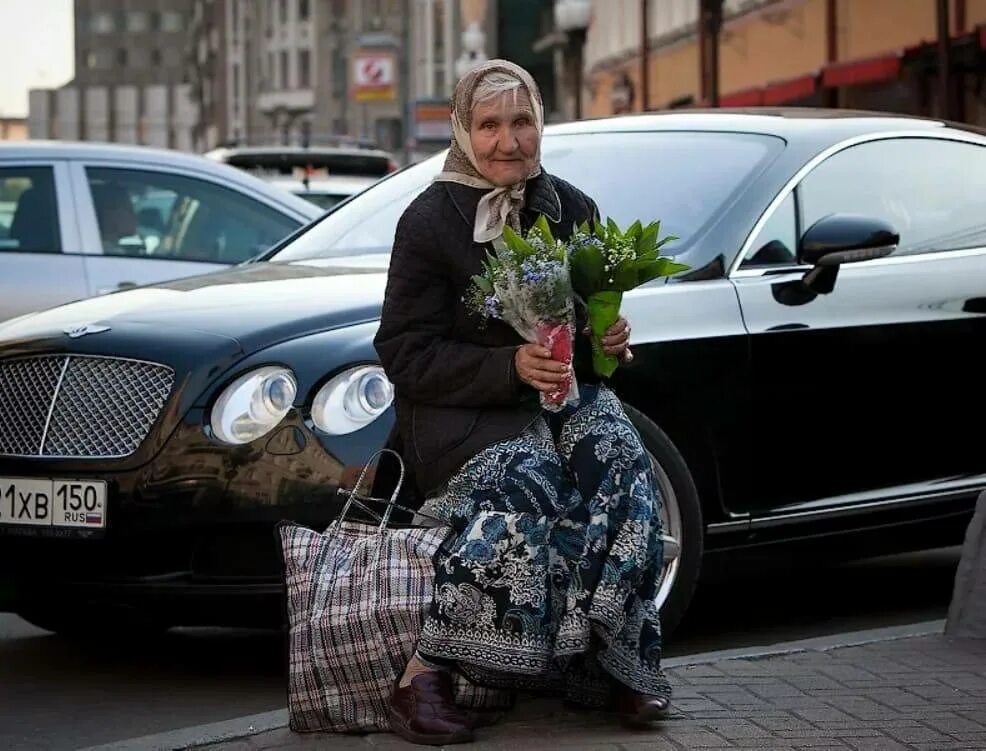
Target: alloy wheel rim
x: 672, y: 531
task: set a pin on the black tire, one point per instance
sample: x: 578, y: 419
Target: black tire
x: 116, y: 625
x: 669, y: 460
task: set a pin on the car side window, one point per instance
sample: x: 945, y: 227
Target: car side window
x: 161, y: 215
x: 28, y: 210
x: 930, y: 190
x: 777, y: 241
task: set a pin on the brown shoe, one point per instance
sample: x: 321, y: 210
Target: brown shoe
x: 425, y: 711
x: 639, y: 709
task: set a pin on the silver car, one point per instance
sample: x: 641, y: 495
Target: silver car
x: 79, y: 220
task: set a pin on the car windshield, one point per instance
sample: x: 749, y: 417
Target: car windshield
x: 681, y: 178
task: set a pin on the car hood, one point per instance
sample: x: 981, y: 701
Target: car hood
x: 256, y: 304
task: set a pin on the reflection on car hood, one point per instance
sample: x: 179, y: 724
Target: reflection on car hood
x: 256, y: 304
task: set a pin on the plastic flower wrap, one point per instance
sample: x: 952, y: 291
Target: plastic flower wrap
x: 606, y: 262
x: 526, y: 283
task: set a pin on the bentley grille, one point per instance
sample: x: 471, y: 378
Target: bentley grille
x: 75, y: 406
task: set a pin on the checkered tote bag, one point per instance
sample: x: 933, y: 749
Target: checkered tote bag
x: 357, y: 595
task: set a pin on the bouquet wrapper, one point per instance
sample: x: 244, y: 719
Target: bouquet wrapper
x: 559, y: 337
x: 604, y: 311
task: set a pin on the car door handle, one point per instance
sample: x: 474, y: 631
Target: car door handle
x: 117, y: 288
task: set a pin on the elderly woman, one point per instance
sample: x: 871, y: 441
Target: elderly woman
x: 548, y: 579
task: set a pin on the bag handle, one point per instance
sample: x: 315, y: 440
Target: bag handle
x: 391, y: 504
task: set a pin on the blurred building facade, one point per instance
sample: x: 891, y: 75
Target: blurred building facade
x: 129, y: 77
x: 325, y: 71
x: 868, y: 54
x: 13, y: 129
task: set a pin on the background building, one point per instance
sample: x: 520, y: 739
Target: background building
x: 129, y: 77
x: 873, y: 54
x: 13, y: 128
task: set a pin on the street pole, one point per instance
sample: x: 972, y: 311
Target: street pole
x: 832, y: 45
x: 577, y: 40
x: 714, y: 20
x: 405, y: 83
x: 644, y: 57
x: 944, y: 67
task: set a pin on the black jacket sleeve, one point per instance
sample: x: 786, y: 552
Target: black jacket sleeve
x: 421, y: 359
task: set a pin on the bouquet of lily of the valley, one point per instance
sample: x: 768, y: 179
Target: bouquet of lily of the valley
x: 606, y: 262
x: 526, y: 283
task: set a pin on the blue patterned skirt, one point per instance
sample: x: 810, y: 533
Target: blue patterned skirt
x: 549, y: 577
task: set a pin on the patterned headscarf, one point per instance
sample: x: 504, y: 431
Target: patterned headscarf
x: 502, y: 204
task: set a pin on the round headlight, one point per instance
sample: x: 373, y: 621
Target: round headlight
x: 352, y: 400
x: 253, y: 404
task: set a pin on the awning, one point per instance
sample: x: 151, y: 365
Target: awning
x: 855, y: 72
x: 781, y: 92
x: 745, y: 98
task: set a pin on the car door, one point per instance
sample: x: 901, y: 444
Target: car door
x: 866, y: 393
x: 147, y: 225
x: 40, y: 258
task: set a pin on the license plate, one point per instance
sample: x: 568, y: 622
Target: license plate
x: 53, y: 503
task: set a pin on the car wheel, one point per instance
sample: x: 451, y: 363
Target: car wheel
x: 87, y: 623
x: 681, y: 514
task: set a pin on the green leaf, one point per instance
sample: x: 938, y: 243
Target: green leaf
x: 542, y: 226
x: 586, y: 266
x: 650, y: 270
x: 648, y: 239
x: 483, y: 283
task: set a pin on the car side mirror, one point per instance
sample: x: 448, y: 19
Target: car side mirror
x: 846, y: 238
x: 842, y: 238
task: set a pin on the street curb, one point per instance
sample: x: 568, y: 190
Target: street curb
x: 815, y: 644
x: 242, y: 727
x: 201, y: 735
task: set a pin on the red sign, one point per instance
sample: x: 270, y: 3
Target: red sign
x: 374, y: 76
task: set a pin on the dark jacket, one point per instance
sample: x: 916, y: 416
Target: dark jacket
x: 457, y: 390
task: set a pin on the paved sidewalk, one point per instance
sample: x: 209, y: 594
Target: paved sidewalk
x: 922, y: 692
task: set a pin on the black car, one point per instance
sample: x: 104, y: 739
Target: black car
x: 808, y: 379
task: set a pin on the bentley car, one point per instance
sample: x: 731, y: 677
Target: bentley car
x: 805, y: 384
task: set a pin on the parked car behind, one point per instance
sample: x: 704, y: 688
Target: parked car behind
x: 324, y: 175
x: 808, y: 382
x: 79, y: 220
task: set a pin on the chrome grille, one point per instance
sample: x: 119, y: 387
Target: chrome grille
x: 78, y: 406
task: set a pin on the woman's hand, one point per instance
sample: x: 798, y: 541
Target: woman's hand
x: 536, y: 368
x: 616, y: 340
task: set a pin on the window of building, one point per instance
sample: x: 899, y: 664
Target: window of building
x: 140, y: 58
x: 103, y: 23
x: 155, y: 20
x: 138, y: 21
x: 172, y: 21
x: 284, y: 12
x: 284, y: 69
x: 303, y: 10
x: 172, y: 56
x: 121, y: 57
x: 101, y: 59
x: 304, y: 69
x: 155, y: 57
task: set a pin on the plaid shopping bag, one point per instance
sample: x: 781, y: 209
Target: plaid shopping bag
x: 357, y: 595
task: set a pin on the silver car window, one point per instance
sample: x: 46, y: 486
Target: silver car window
x: 142, y: 213
x: 28, y: 210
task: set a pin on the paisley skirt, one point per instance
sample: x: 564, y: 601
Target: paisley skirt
x: 548, y: 579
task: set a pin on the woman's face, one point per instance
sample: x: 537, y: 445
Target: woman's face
x: 504, y: 137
